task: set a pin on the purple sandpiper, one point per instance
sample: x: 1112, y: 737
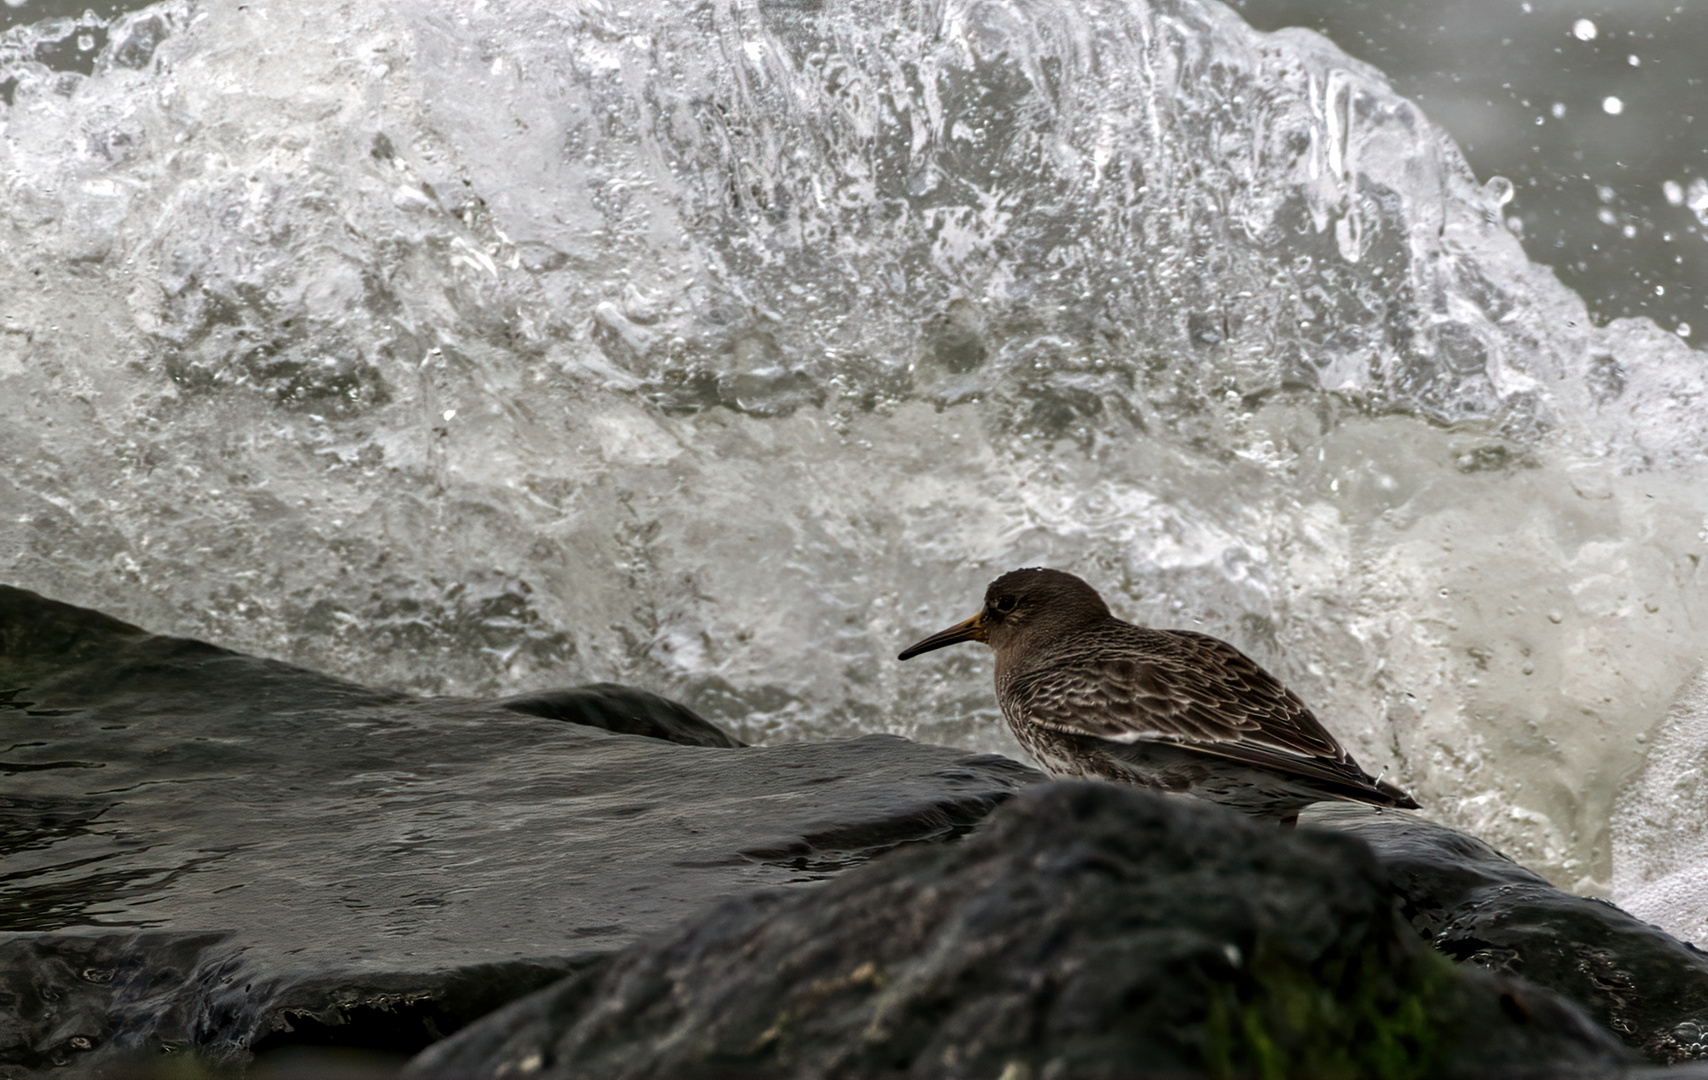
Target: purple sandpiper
x: 1091, y: 696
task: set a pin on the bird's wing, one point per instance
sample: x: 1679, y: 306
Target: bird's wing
x: 1185, y: 688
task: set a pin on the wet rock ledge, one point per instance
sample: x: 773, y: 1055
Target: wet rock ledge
x: 1087, y: 930
x: 213, y: 854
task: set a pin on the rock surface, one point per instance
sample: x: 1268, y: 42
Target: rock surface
x: 206, y: 849
x: 209, y: 851
x: 626, y: 711
x: 1086, y: 931
x: 1477, y: 905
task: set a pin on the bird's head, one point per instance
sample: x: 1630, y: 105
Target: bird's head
x: 1023, y: 606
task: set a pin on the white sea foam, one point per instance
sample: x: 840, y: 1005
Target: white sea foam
x: 1660, y: 827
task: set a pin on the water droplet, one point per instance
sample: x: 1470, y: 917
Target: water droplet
x: 1612, y: 106
x: 1584, y: 30
x: 1697, y: 197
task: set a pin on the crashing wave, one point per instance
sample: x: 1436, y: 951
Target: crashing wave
x: 723, y: 348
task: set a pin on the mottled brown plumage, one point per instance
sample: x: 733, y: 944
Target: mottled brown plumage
x: 1090, y: 695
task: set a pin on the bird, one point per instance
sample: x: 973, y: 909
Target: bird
x: 1091, y: 696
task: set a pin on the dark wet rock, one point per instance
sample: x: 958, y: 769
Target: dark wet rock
x: 107, y: 1000
x: 1476, y: 905
x: 261, y: 855
x: 212, y: 852
x: 626, y: 711
x: 1085, y: 931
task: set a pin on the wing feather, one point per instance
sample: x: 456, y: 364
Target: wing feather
x: 1177, y: 686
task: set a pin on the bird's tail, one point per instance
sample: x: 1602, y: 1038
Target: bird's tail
x: 1400, y: 800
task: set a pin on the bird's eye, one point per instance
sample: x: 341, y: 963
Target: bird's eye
x: 1005, y: 604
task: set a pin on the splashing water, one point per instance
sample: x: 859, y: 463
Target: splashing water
x: 725, y: 348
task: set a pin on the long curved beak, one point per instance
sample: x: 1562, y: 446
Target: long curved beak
x: 971, y: 630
